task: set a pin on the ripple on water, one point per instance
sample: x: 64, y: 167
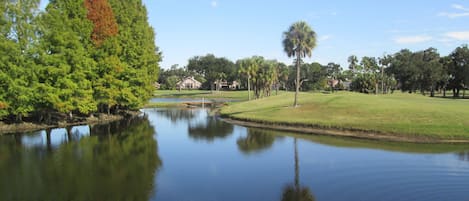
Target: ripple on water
x: 395, y: 181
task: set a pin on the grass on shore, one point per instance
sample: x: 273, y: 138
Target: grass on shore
x: 399, y: 113
x: 238, y: 95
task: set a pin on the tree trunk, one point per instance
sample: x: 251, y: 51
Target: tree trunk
x: 48, y: 139
x: 19, y: 118
x: 444, y: 92
x: 432, y: 92
x: 295, y: 103
x: 69, y: 134
x: 376, y: 88
x: 276, y: 88
x: 249, y: 87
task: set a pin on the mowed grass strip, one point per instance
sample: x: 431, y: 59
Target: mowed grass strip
x: 400, y: 113
x: 235, y: 95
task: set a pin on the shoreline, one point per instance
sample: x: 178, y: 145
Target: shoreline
x: 349, y: 133
x: 31, y: 127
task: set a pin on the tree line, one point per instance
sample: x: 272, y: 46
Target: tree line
x: 75, y: 57
x: 421, y: 71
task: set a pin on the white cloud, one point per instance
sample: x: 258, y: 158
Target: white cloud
x: 412, y: 39
x: 454, y: 15
x: 324, y: 38
x: 458, y: 35
x: 462, y: 12
x: 214, y: 4
x: 459, y: 7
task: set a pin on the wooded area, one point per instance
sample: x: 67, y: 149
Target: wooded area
x: 76, y: 57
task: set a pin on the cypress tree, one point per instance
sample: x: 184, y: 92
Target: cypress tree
x: 66, y: 67
x: 138, y: 51
x: 108, y: 88
x: 16, y: 70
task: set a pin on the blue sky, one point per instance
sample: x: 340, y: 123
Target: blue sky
x: 239, y: 28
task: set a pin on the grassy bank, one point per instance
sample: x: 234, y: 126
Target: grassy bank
x: 237, y: 95
x: 398, y: 114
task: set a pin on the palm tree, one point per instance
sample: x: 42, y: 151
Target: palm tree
x: 299, y: 41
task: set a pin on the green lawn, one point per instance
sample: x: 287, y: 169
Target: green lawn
x: 399, y: 113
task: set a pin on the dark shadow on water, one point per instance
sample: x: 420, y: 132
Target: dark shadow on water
x: 117, y: 161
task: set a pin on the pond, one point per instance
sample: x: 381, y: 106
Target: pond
x: 189, y: 154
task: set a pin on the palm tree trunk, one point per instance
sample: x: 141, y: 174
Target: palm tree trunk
x: 297, y: 168
x: 249, y: 87
x: 295, y: 104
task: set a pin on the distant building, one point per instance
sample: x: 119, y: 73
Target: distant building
x: 157, y: 85
x: 223, y: 84
x: 189, y: 83
x: 339, y: 84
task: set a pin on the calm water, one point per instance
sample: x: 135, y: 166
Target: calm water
x: 187, y: 154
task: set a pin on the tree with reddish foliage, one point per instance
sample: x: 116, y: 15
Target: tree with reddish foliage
x: 105, y: 26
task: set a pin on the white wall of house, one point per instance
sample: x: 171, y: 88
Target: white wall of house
x: 189, y: 83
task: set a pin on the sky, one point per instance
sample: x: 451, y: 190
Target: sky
x: 238, y: 29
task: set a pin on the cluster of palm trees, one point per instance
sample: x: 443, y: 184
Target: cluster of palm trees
x: 262, y: 74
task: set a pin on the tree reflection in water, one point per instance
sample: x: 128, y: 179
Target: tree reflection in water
x: 256, y: 141
x: 117, y: 162
x: 177, y: 114
x: 294, y: 192
x: 464, y: 156
x: 211, y: 129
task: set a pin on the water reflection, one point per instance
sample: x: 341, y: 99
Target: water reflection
x: 295, y: 192
x: 464, y: 156
x: 210, y: 129
x: 116, y: 162
x: 176, y: 114
x: 256, y: 141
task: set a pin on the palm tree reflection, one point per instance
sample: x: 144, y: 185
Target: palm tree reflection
x: 294, y: 192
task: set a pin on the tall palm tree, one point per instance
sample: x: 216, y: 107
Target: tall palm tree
x: 299, y: 41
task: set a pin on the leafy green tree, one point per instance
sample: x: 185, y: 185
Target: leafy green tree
x: 313, y: 76
x: 213, y: 69
x: 431, y: 68
x: 299, y: 41
x: 404, y: 70
x: 138, y: 52
x: 459, y: 69
x: 65, y: 66
x: 334, y: 72
x: 18, y: 36
x: 443, y: 83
